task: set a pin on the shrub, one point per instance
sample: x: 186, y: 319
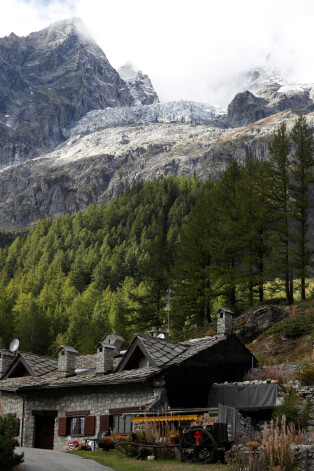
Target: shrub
x: 8, y: 459
x: 289, y: 408
x: 306, y: 375
x: 293, y: 327
x: 293, y: 412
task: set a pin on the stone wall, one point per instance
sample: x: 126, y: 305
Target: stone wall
x: 98, y: 400
x: 11, y: 404
x: 304, y: 457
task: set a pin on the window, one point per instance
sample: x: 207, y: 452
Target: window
x: 121, y: 423
x: 77, y: 425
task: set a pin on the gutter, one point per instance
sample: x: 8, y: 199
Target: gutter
x: 7, y: 389
x: 22, y: 420
x: 76, y: 384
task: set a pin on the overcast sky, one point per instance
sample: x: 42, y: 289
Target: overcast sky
x: 192, y: 50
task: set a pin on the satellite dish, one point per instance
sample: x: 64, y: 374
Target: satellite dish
x: 161, y: 336
x: 14, y: 345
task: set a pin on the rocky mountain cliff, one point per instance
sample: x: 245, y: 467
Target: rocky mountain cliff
x: 75, y: 132
x: 47, y: 80
x: 139, y: 84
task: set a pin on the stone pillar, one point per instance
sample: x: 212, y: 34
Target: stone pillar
x: 224, y: 321
x: 6, y: 358
x: 66, y: 361
x: 104, y: 358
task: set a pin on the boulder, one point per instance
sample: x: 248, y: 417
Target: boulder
x: 254, y: 322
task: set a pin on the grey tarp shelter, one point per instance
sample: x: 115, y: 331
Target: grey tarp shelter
x: 245, y: 397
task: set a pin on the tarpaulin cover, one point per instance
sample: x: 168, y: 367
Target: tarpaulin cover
x: 244, y: 396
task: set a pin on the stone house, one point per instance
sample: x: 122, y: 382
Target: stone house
x: 55, y: 401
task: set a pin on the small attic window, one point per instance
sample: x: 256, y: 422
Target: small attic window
x: 100, y: 349
x: 136, y: 360
x: 221, y: 315
x: 62, y: 353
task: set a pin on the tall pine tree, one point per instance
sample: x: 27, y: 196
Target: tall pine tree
x: 281, y: 202
x: 302, y: 179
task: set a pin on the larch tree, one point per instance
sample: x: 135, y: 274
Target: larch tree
x: 301, y: 181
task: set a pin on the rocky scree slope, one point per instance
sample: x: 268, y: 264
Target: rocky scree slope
x: 97, y: 166
x: 47, y: 80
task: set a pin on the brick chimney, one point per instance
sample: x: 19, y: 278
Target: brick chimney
x: 6, y: 358
x: 224, y: 321
x: 66, y: 361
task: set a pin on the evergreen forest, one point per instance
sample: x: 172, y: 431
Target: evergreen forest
x: 175, y: 245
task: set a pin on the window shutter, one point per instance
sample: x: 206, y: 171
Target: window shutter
x: 62, y: 426
x: 104, y: 423
x: 89, y: 428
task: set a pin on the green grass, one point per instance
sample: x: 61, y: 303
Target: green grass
x: 119, y: 462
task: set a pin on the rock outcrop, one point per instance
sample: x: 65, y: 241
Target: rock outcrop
x: 255, y: 322
x: 247, y: 108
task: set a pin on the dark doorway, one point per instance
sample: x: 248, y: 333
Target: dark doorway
x: 44, y: 431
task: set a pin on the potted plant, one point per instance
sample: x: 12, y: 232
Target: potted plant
x: 252, y: 445
x: 173, y: 436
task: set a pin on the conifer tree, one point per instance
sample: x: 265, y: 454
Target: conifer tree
x: 254, y: 225
x: 302, y: 179
x: 193, y: 291
x: 228, y: 236
x: 281, y: 206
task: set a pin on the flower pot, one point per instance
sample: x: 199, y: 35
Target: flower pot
x: 172, y: 442
x: 199, y: 441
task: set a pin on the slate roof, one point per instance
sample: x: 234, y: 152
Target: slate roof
x: 37, y: 365
x: 51, y: 380
x: 164, y: 353
x: 161, y: 350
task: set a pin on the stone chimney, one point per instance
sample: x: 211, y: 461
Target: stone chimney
x: 155, y: 332
x: 107, y: 349
x: 104, y: 358
x: 6, y: 358
x: 113, y: 339
x: 66, y: 361
x: 224, y: 321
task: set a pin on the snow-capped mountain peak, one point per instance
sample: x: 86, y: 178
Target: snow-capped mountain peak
x: 260, y: 77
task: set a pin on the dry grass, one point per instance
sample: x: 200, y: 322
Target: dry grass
x: 277, y: 443
x: 273, y: 350
x: 267, y: 373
